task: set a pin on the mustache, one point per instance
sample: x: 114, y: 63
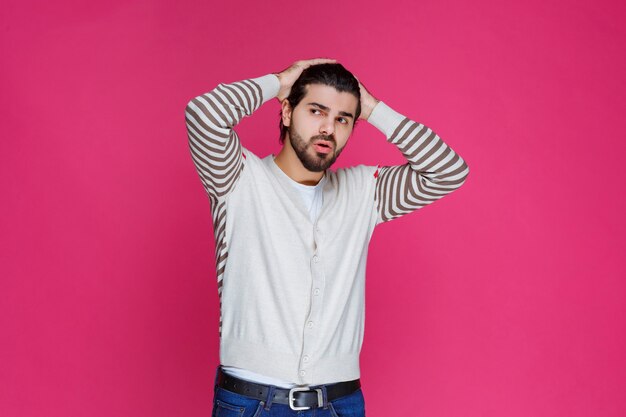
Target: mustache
x: 327, y: 138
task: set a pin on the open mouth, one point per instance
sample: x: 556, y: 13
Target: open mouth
x: 322, y: 147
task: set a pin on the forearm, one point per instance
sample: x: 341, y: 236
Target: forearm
x: 433, y: 168
x: 424, y: 150
x: 210, y: 119
x: 222, y: 108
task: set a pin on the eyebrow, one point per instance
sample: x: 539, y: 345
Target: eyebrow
x: 321, y: 106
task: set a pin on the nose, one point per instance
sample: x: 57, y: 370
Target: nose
x: 327, y: 127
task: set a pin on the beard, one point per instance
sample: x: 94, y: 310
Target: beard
x: 310, y: 158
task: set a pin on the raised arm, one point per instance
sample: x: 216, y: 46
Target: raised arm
x: 433, y: 170
x: 210, y: 118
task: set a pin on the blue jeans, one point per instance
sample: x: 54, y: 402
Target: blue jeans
x: 230, y: 404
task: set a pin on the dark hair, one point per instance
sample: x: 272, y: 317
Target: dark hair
x: 332, y: 75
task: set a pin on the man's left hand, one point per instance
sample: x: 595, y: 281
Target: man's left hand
x: 368, y: 102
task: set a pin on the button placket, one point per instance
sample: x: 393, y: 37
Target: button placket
x: 313, y: 319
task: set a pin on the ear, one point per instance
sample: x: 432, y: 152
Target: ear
x: 287, y: 112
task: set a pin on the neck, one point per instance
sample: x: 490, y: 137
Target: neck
x: 290, y: 164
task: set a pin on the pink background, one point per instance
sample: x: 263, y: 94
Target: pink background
x: 514, y: 304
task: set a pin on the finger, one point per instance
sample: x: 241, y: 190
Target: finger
x: 326, y: 60
x: 320, y: 61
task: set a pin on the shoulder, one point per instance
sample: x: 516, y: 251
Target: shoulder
x: 360, y: 178
x: 250, y: 157
x: 360, y: 172
x: 255, y: 166
x: 246, y: 153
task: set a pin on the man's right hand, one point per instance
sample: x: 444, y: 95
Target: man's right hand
x: 289, y: 76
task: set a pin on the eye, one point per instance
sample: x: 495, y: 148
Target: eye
x: 314, y: 110
x: 344, y: 120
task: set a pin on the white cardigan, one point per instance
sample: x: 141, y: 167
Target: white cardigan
x: 292, y: 292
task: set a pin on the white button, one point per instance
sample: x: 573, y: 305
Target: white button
x: 317, y: 228
x: 305, y: 358
x: 310, y: 324
x: 315, y: 258
x: 316, y: 291
x: 302, y: 373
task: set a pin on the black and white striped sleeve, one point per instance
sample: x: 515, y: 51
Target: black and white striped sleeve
x: 210, y: 118
x: 433, y: 170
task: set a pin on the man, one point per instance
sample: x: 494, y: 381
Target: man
x: 292, y: 235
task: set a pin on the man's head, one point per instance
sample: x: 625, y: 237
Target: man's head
x: 323, y: 105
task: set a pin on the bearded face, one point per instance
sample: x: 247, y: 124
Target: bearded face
x: 320, y: 125
x: 316, y: 158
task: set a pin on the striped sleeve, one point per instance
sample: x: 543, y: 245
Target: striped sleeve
x: 210, y: 118
x: 433, y: 170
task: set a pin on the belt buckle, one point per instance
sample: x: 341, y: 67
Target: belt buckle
x: 320, y: 398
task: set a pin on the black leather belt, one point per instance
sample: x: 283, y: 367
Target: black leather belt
x: 298, y: 398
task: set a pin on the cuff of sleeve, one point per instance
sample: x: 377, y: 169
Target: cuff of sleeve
x: 385, y: 119
x: 269, y: 86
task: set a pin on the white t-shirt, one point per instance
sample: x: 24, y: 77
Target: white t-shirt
x: 312, y: 197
